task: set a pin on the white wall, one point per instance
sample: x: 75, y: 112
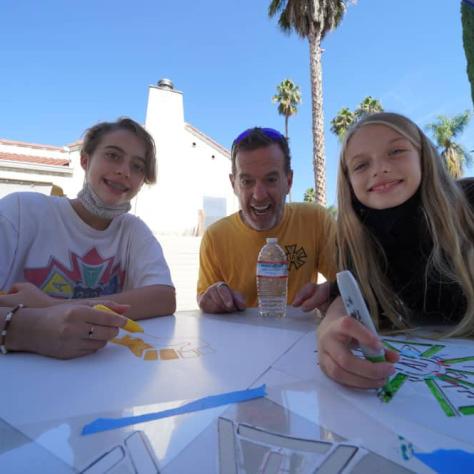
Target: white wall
x: 76, y: 182
x: 190, y: 167
x: 187, y: 170
x: 8, y: 188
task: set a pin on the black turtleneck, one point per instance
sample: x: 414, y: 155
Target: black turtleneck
x: 403, y: 234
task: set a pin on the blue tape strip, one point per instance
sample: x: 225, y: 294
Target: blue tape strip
x: 105, y: 424
x: 445, y: 461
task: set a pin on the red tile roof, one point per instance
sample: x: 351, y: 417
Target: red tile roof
x: 41, y: 160
x: 3, y: 141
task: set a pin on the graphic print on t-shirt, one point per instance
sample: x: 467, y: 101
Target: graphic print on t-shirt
x: 296, y: 257
x: 88, y: 276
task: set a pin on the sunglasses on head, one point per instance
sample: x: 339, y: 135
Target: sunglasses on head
x: 268, y: 132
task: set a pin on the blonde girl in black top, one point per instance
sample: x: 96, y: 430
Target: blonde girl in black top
x: 406, y: 231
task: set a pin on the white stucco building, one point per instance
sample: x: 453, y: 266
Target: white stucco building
x: 31, y: 167
x: 192, y: 190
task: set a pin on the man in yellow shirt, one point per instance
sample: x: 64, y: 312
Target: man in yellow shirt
x: 261, y: 178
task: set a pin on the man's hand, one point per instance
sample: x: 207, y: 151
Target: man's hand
x: 220, y: 298
x: 313, y: 296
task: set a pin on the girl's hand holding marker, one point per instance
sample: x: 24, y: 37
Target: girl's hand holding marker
x: 356, y: 308
x: 130, y: 325
x: 405, y: 227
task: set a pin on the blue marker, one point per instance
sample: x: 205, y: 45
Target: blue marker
x: 356, y: 307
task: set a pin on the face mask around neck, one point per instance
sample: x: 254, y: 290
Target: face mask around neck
x: 89, y: 199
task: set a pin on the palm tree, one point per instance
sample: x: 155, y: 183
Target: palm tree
x: 342, y: 122
x: 312, y: 19
x: 332, y: 211
x: 309, y: 195
x: 345, y: 118
x: 445, y: 130
x: 467, y: 16
x: 368, y: 106
x: 288, y: 97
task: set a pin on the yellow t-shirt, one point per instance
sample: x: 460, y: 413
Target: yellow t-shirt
x: 229, y: 250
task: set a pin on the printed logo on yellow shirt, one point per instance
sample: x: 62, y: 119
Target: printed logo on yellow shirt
x: 296, y: 257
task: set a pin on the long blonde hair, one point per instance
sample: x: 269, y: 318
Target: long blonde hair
x: 448, y: 217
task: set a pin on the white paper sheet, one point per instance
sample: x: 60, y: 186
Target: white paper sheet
x: 233, y: 356
x: 427, y: 363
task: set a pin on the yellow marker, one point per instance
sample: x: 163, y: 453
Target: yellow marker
x: 130, y: 325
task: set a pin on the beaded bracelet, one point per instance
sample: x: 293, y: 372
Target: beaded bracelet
x: 8, y: 319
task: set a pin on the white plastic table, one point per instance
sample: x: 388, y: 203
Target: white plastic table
x: 300, y: 426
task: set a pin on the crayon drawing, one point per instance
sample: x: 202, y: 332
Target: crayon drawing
x: 163, y: 349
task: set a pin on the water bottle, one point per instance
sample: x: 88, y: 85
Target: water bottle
x: 272, y: 279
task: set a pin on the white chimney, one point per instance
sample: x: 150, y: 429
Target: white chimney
x: 165, y: 112
x: 161, y: 203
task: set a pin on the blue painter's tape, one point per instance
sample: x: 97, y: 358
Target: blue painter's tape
x: 445, y: 461
x: 105, y: 424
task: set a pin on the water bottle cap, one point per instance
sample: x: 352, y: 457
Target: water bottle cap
x: 272, y: 240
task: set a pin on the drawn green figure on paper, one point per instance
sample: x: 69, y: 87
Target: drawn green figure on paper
x: 449, y: 380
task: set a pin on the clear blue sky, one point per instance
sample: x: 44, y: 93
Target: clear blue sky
x: 65, y: 65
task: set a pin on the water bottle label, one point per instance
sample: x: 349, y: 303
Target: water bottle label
x: 272, y: 269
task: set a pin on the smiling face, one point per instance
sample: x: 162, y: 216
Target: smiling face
x: 116, y: 168
x: 261, y: 185
x: 384, y: 167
